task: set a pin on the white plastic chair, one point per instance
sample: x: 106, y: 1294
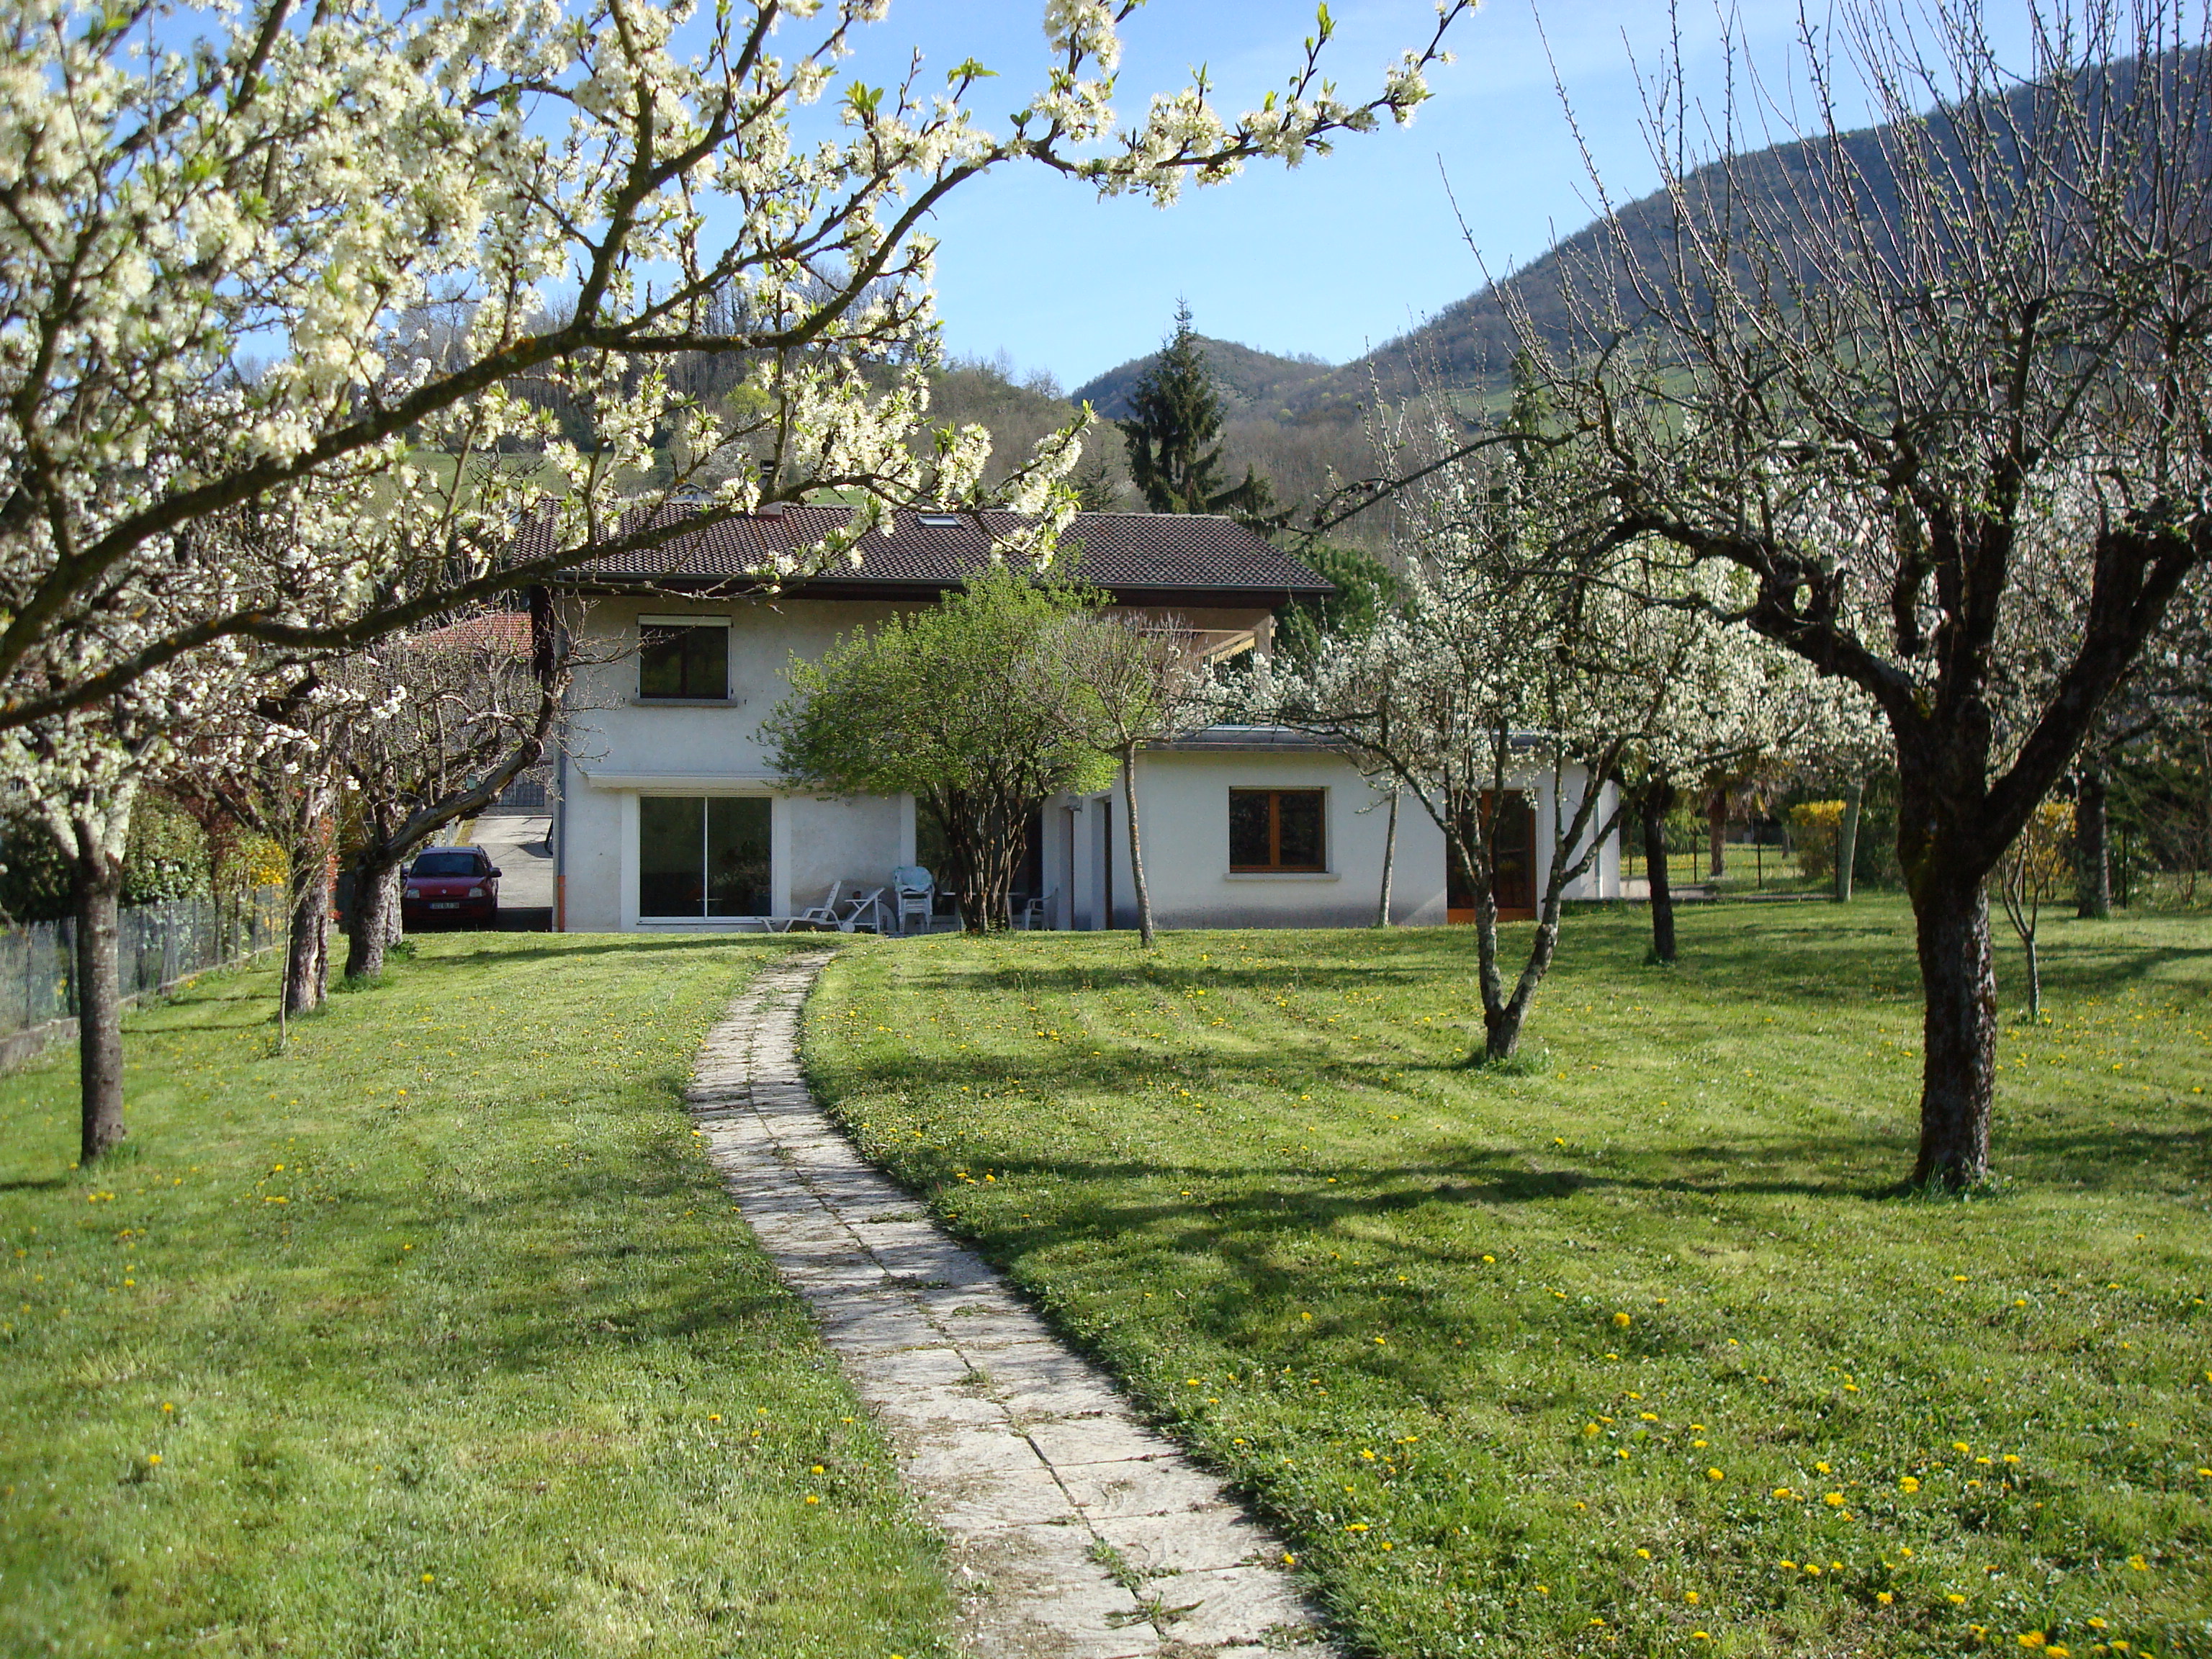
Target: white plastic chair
x: 1033, y: 912
x: 824, y: 915
x: 913, y: 894
x: 865, y: 911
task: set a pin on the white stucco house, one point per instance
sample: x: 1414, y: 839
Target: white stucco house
x: 667, y: 816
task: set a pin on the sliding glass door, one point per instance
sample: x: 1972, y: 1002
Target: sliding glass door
x: 703, y: 856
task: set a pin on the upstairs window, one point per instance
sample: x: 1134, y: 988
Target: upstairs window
x: 1277, y: 830
x: 685, y: 659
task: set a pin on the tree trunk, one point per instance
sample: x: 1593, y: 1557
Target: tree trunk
x: 1958, y: 1083
x: 1137, y: 850
x: 1389, y: 864
x: 2092, y: 855
x: 2034, y: 979
x: 1658, y: 799
x: 1502, y: 1026
x: 984, y: 846
x: 1716, y: 816
x: 1500, y: 1029
x: 96, y: 891
x: 372, y: 922
x: 307, y: 959
x: 1847, y: 842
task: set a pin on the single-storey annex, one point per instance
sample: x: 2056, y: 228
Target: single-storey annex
x: 667, y: 816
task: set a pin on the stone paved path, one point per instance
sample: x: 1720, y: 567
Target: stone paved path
x: 1081, y: 1533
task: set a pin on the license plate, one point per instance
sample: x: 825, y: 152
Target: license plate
x: 445, y: 904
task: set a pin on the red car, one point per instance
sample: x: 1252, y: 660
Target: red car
x: 450, y: 884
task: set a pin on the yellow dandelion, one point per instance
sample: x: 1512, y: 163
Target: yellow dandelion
x: 1884, y: 1597
x: 1621, y: 1320
x: 1715, y: 1474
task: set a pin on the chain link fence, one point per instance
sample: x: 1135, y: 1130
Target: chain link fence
x: 160, y: 943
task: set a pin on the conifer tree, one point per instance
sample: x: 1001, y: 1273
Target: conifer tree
x: 1174, y: 457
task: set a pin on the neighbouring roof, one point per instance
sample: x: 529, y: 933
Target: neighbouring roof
x: 499, y: 630
x: 1138, y: 557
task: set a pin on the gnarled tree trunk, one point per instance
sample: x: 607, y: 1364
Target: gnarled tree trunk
x: 306, y: 957
x: 2092, y: 857
x: 1389, y: 864
x: 1717, y: 818
x: 95, y: 896
x: 1658, y: 801
x: 373, y: 922
x: 1847, y: 842
x: 1137, y: 849
x: 1959, y: 1032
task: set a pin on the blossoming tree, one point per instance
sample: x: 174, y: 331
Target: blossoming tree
x: 1952, y: 366
x: 1503, y: 664
x: 590, y: 190
x: 472, y: 706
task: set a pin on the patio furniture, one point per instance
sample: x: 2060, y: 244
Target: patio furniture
x: 865, y: 911
x: 1031, y: 913
x: 914, y: 896
x: 824, y: 915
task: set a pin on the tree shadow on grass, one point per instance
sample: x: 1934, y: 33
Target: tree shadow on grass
x: 552, y: 1264
x: 624, y: 943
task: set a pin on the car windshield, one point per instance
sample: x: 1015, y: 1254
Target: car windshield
x: 445, y: 864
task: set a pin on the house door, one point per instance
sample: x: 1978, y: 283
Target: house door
x: 1512, y: 861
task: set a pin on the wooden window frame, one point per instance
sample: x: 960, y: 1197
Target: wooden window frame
x: 1276, y: 866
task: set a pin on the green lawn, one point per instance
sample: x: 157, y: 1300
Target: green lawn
x: 1640, y: 1352
x: 435, y: 1335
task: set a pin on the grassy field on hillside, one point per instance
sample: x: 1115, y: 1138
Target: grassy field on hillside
x: 434, y: 1335
x: 1642, y: 1350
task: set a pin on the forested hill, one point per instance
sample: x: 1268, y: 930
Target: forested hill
x: 1471, y: 344
x: 1253, y: 382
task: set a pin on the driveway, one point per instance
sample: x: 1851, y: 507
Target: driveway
x: 518, y: 846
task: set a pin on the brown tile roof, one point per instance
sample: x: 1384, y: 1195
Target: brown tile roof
x: 1188, y: 556
x: 497, y: 630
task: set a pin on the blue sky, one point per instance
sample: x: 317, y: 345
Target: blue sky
x: 1341, y: 254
